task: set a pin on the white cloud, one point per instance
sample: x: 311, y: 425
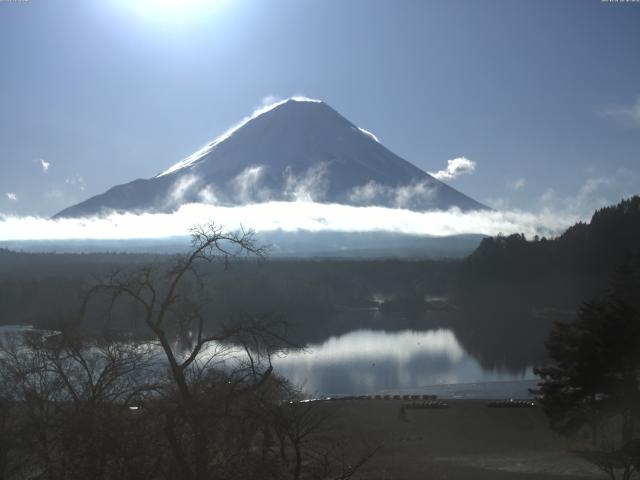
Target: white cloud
x: 368, y: 192
x: 517, y: 184
x: 455, y: 168
x: 406, y: 195
x: 269, y: 100
x: 208, y: 195
x: 44, y: 164
x: 247, y: 185
x: 403, y: 196
x: 593, y: 185
x: 310, y: 186
x: 629, y: 114
x: 499, y: 203
x: 594, y: 193
x: 12, y: 196
x: 180, y: 188
x: 556, y: 213
x: 288, y: 216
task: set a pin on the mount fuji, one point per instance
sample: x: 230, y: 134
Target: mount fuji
x: 297, y: 149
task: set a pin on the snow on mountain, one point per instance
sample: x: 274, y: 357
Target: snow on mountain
x: 296, y: 149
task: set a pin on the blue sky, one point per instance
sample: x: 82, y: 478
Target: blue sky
x: 544, y: 96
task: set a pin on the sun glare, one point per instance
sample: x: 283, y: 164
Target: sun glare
x: 172, y: 11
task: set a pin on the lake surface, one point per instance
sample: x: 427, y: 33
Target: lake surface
x: 369, y: 362
x: 380, y: 362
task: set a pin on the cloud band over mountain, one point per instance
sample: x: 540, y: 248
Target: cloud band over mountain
x: 289, y: 217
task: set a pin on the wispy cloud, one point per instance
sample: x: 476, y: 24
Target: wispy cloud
x: 517, y: 184
x: 44, y: 164
x: 628, y: 114
x: 413, y: 195
x: 406, y: 195
x: 208, y: 195
x: 76, y: 181
x: 180, y: 189
x: 499, y: 203
x: 247, y: 186
x: 368, y: 192
x: 595, y: 192
x: 455, y: 168
x: 12, y: 196
x: 311, y: 185
x: 269, y: 100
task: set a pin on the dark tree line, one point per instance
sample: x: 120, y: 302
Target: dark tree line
x: 39, y: 289
x: 511, y: 290
x: 562, y: 270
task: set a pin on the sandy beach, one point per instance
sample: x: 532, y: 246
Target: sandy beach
x: 467, y: 440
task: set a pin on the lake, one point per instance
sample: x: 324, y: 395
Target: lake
x: 371, y: 362
x: 381, y: 362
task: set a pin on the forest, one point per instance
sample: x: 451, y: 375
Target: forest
x: 515, y: 288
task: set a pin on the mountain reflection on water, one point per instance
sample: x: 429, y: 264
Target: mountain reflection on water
x: 365, y: 362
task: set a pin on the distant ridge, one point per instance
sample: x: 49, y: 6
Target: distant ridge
x: 297, y: 149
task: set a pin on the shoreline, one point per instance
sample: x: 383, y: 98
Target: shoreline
x: 484, y: 390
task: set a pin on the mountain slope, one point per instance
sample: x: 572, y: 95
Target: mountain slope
x: 299, y: 149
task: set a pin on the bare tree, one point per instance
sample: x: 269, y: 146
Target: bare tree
x: 200, y: 400
x: 172, y: 301
x: 70, y: 401
x: 311, y: 443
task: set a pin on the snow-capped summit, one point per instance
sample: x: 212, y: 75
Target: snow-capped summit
x: 206, y: 149
x: 296, y: 149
